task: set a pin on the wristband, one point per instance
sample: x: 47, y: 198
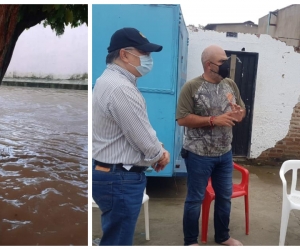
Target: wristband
x: 211, y: 121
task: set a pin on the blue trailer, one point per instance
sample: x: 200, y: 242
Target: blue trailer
x: 162, y: 24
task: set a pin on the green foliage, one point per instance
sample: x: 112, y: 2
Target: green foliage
x: 57, y: 16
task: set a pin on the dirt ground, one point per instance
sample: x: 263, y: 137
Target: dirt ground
x: 166, y: 204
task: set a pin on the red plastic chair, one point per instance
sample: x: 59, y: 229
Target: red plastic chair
x: 240, y: 189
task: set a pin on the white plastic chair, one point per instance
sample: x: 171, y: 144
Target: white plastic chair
x: 145, y: 202
x: 289, y: 201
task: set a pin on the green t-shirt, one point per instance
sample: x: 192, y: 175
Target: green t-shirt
x: 203, y: 98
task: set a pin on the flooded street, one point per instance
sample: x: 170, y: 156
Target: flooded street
x: 43, y: 166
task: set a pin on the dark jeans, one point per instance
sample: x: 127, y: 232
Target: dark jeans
x: 119, y: 196
x: 199, y: 169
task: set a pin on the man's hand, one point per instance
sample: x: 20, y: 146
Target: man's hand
x: 162, y: 162
x: 226, y: 119
x: 237, y: 112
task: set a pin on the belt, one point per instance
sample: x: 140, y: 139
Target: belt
x: 119, y: 166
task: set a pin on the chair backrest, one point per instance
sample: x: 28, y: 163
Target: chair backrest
x: 145, y: 197
x: 244, y: 181
x: 293, y: 165
x: 94, y: 203
x: 245, y: 175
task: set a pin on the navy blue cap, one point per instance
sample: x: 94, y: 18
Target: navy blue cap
x: 131, y: 37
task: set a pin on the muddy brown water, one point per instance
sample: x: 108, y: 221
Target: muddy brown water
x: 43, y: 166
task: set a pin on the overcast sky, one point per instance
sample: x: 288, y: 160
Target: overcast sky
x: 228, y: 11
x: 217, y: 11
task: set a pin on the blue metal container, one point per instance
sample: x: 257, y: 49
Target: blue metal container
x: 161, y: 24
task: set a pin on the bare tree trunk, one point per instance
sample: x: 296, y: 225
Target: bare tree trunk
x: 8, y: 35
x: 11, y: 27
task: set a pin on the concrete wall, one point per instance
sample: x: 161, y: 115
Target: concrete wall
x: 242, y: 28
x: 287, y: 25
x: 288, y: 147
x: 263, y: 25
x: 277, y: 84
x: 39, y: 53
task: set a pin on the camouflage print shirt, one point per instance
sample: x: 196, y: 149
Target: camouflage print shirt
x: 203, y: 98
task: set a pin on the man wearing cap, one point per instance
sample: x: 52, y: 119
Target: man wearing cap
x: 209, y: 106
x: 124, y: 142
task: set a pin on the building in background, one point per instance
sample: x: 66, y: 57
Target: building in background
x: 283, y: 24
x: 246, y: 27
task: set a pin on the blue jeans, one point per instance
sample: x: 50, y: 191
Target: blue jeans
x: 199, y: 169
x: 119, y: 195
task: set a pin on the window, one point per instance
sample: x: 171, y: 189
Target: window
x: 231, y: 34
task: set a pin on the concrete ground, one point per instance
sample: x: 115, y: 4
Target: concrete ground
x: 166, y: 204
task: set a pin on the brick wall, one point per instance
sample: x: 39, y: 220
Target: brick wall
x: 288, y: 147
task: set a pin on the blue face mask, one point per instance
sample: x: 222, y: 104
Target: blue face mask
x: 146, y: 64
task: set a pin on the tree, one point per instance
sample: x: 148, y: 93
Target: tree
x: 14, y: 19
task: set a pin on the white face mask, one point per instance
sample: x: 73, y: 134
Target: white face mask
x: 146, y: 64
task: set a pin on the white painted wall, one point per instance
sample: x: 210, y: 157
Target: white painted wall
x: 40, y: 52
x: 275, y: 94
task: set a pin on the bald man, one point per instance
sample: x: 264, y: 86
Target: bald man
x: 208, y: 106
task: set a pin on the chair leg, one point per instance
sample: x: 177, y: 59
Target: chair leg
x: 146, y: 213
x: 205, y: 217
x: 284, y: 223
x: 247, y: 213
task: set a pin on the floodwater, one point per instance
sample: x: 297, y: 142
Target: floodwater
x: 43, y: 166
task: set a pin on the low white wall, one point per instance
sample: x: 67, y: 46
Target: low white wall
x: 277, y: 84
x: 40, y: 53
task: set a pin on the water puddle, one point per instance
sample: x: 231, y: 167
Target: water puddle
x: 43, y: 166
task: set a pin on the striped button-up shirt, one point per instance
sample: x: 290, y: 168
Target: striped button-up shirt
x: 122, y: 132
